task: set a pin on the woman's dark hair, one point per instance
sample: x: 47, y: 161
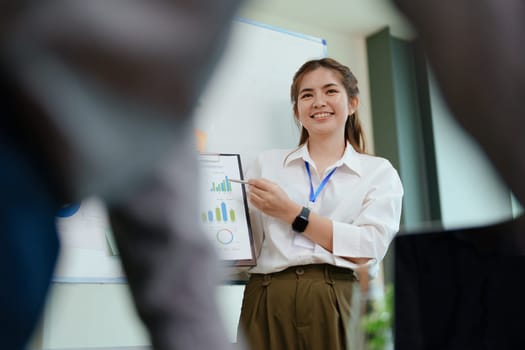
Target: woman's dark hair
x: 353, y: 130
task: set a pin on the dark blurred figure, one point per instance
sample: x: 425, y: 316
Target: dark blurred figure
x: 463, y: 289
x: 460, y: 289
x: 475, y: 49
x: 96, y: 99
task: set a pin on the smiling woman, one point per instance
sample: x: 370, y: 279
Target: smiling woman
x: 323, y: 210
x: 323, y: 107
x: 336, y: 94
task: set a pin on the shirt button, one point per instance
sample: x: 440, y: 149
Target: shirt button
x: 299, y: 271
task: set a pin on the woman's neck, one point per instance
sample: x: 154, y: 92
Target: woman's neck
x: 325, y: 152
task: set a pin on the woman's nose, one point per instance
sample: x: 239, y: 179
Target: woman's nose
x: 318, y: 102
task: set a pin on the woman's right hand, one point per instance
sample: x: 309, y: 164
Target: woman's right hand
x: 271, y: 199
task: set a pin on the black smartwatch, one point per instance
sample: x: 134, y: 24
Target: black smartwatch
x: 301, y: 221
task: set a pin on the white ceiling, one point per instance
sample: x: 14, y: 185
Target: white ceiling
x: 354, y: 17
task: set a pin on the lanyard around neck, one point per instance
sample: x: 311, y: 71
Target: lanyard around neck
x: 313, y: 196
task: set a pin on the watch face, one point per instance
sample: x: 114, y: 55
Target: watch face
x: 301, y: 221
x: 299, y: 225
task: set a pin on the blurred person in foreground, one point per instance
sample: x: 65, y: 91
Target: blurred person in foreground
x: 477, y: 54
x: 97, y: 98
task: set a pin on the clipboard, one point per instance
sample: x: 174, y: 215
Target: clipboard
x: 224, y: 213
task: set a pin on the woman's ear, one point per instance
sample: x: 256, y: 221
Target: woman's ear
x: 296, y: 116
x: 353, y: 102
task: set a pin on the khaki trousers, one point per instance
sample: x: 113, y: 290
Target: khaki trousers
x: 303, y: 307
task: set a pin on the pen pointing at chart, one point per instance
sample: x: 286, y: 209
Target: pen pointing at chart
x: 239, y: 181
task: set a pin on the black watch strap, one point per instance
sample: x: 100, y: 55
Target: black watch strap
x: 301, y: 221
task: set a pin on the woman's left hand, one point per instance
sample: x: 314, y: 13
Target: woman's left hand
x: 270, y: 198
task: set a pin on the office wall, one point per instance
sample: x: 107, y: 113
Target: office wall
x: 448, y: 180
x: 471, y: 191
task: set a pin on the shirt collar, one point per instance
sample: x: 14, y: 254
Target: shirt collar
x: 299, y: 153
x: 350, y: 158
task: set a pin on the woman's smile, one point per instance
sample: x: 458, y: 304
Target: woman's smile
x: 321, y: 115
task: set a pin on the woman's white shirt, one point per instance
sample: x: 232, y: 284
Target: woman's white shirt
x: 362, y: 198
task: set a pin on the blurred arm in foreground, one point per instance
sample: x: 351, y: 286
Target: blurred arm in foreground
x: 98, y: 98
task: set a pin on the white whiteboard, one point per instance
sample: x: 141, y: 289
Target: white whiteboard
x: 87, y: 253
x: 245, y: 109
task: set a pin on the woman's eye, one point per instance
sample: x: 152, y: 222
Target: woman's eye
x: 333, y: 91
x: 305, y: 96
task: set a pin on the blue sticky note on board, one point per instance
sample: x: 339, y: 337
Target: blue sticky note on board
x: 68, y: 210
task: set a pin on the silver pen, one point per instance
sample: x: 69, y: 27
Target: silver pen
x: 239, y: 181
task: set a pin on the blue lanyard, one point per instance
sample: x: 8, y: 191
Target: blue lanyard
x: 313, y: 196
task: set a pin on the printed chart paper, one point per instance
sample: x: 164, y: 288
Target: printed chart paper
x: 224, y: 208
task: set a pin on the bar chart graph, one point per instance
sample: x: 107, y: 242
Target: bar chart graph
x: 218, y: 214
x: 224, y: 185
